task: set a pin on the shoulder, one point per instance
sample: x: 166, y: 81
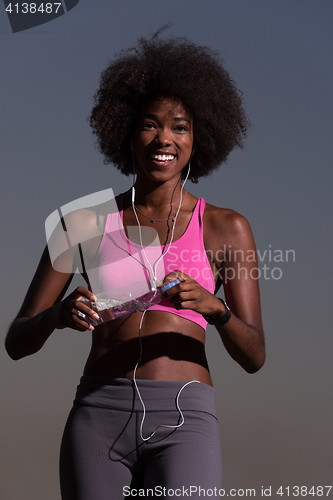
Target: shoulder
x: 226, y: 221
x: 82, y: 222
x: 79, y: 222
x: 87, y: 212
x: 85, y: 218
x: 225, y: 232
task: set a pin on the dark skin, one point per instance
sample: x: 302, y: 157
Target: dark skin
x: 173, y: 347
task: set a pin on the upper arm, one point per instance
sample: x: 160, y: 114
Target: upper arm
x: 240, y: 273
x: 47, y: 288
x: 230, y: 241
x: 63, y: 256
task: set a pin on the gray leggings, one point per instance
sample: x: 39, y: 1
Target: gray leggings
x: 104, y: 458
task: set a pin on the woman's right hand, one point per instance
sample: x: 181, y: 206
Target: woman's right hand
x: 46, y: 308
x: 66, y: 313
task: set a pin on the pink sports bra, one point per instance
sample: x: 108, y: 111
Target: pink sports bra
x: 121, y: 268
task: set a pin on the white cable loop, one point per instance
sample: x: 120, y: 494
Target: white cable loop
x: 141, y: 400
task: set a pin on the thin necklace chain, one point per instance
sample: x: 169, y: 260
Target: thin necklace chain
x: 159, y: 220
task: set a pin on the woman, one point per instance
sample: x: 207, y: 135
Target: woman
x: 144, y: 416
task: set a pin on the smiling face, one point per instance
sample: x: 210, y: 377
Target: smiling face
x: 163, y: 139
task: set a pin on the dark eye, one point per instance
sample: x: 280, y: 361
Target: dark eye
x: 148, y: 125
x: 182, y: 128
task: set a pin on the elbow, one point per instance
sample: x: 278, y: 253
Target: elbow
x: 12, y: 352
x: 255, y: 367
x: 258, y: 358
x: 11, y: 344
x: 14, y: 349
x: 256, y: 363
x: 18, y: 344
x: 16, y: 352
x: 13, y: 355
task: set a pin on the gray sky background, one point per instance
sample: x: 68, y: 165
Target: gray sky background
x: 276, y: 425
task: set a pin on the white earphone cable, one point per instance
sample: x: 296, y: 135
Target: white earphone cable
x: 153, y: 280
x: 140, y: 397
x: 153, y: 277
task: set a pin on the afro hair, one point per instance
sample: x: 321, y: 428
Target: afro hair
x: 174, y: 68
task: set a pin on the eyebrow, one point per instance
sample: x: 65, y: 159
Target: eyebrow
x: 155, y: 117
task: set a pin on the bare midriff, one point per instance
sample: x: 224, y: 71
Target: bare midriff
x: 172, y: 349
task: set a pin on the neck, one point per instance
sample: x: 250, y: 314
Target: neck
x: 158, y: 196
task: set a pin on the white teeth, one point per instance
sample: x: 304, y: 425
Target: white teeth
x: 163, y: 157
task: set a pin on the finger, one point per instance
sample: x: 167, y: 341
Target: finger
x: 175, y: 290
x: 83, y: 292
x: 174, y: 275
x: 81, y: 326
x: 185, y: 304
x: 184, y: 277
x: 86, y: 307
x: 183, y: 292
x: 79, y: 316
x: 86, y: 316
x: 81, y: 323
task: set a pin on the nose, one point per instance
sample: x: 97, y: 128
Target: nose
x: 163, y: 137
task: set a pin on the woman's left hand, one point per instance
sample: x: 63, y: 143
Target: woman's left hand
x: 188, y: 294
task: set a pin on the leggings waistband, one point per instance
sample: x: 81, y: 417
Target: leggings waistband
x: 158, y: 395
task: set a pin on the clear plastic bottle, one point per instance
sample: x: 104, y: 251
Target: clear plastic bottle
x: 109, y: 309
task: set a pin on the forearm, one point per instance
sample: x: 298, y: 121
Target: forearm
x: 28, y: 335
x: 244, y: 343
